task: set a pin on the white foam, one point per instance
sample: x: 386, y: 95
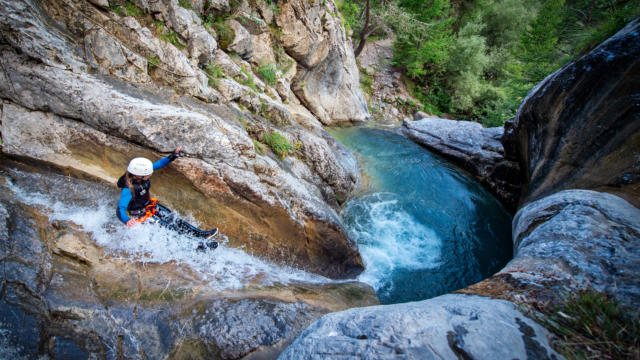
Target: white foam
x: 225, y: 268
x: 389, y: 238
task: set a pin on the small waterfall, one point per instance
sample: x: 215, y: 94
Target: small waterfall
x: 424, y: 227
x: 92, y: 206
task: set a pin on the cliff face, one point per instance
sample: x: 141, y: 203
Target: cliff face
x: 89, y: 85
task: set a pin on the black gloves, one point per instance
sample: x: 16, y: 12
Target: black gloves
x: 174, y: 155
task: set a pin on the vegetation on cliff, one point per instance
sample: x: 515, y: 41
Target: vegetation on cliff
x: 478, y: 59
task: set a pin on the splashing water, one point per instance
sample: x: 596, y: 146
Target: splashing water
x: 422, y: 226
x: 92, y: 206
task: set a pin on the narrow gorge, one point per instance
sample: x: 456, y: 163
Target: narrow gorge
x: 320, y: 221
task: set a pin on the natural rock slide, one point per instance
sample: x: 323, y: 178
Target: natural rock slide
x: 87, y: 85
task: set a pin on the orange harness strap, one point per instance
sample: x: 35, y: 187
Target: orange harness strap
x: 150, y: 210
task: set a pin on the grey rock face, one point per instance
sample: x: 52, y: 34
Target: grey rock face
x: 579, y: 127
x: 328, y: 81
x: 446, y: 327
x: 577, y: 239
x: 475, y: 148
x: 105, y: 52
x: 242, y: 41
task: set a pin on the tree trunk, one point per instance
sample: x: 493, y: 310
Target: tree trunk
x: 364, y: 33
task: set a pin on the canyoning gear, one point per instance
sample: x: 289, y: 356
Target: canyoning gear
x: 140, y: 167
x: 134, y: 204
x: 137, y: 206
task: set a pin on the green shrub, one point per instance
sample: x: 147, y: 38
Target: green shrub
x: 172, y: 38
x: 215, y: 73
x: 249, y: 82
x: 258, y: 147
x: 152, y: 62
x: 117, y: 9
x: 225, y: 33
x: 185, y: 4
x: 278, y: 143
x: 268, y: 74
x: 133, y: 9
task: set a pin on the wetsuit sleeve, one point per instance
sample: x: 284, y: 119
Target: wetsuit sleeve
x: 161, y: 163
x: 125, y: 198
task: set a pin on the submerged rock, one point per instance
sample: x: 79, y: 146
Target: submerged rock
x: 475, y: 148
x: 446, y: 327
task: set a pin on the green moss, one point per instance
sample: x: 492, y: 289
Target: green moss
x: 278, y: 143
x: 215, y: 73
x: 224, y: 32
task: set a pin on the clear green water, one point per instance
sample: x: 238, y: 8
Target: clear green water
x: 423, y: 226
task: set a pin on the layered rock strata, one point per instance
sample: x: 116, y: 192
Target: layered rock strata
x: 473, y: 147
x: 108, y: 84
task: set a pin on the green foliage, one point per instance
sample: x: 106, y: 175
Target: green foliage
x: 117, y: 9
x: 258, y: 147
x: 350, y: 14
x: 590, y: 325
x: 278, y: 143
x: 185, y: 4
x: 250, y: 81
x: 225, y: 33
x: 170, y: 37
x: 133, y: 10
x: 214, y: 73
x: 268, y: 74
x: 366, y: 82
x: 152, y: 62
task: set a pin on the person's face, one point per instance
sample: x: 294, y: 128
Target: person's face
x: 141, y: 178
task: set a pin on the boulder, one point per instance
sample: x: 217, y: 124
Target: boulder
x: 242, y: 40
x: 475, y: 148
x: 446, y: 327
x: 579, y: 128
x: 327, y: 82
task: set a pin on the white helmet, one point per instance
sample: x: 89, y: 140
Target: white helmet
x: 140, y: 167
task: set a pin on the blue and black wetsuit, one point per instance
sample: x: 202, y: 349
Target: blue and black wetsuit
x: 134, y: 205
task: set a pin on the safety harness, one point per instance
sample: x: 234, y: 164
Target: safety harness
x: 150, y: 210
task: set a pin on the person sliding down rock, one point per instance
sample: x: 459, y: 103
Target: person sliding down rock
x: 137, y: 206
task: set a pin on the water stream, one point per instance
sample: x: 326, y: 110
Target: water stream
x: 423, y: 226
x: 91, y: 205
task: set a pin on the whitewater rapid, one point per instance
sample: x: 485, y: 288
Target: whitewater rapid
x: 92, y: 206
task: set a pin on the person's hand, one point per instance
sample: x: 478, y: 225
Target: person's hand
x: 132, y: 222
x: 175, y: 154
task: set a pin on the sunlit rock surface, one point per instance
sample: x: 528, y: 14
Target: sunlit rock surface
x: 282, y: 209
x: 77, y: 285
x: 446, y: 327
